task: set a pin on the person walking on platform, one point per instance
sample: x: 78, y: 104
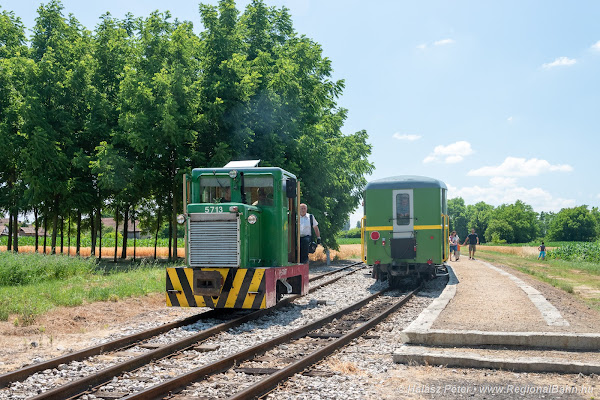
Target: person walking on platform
x: 473, y: 240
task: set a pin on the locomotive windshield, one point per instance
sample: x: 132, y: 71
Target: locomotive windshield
x: 215, y: 189
x: 402, y: 209
x: 259, y: 190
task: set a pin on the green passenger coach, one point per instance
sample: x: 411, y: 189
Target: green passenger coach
x: 405, y: 228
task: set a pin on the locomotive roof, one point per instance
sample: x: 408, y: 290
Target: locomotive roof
x: 405, y: 182
x: 245, y: 170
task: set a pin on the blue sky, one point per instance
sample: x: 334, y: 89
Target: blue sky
x: 497, y: 99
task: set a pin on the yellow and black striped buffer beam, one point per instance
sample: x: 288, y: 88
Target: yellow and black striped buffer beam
x: 243, y: 288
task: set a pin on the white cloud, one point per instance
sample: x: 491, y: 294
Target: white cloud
x: 514, y: 166
x: 510, y: 119
x: 559, y: 62
x: 407, y: 137
x: 443, y: 42
x: 450, y: 154
x: 503, y: 193
x: 422, y: 46
x: 596, y: 46
x: 500, y: 181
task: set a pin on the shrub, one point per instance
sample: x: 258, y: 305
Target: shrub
x: 25, y: 268
x: 577, y: 251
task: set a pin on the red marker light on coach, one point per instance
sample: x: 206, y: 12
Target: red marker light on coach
x: 375, y: 235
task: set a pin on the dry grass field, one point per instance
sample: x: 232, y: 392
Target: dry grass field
x: 517, y: 251
x: 107, y: 252
x: 347, y: 251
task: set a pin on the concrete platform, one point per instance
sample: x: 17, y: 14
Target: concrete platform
x: 507, y: 302
x: 549, y: 340
x: 473, y: 359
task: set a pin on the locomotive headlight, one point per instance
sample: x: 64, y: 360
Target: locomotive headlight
x: 252, y: 219
x: 232, y: 174
x: 180, y: 219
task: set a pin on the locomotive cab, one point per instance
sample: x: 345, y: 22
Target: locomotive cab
x: 242, y: 239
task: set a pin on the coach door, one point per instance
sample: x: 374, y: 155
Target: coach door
x: 403, y: 240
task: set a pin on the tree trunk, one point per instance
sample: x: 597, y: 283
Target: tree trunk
x: 158, y: 221
x: 170, y: 230
x: 62, y: 233
x: 174, y: 221
x: 36, y: 224
x: 69, y: 235
x: 16, y: 233
x: 78, y: 241
x: 93, y: 230
x: 134, y: 234
x: 99, y: 227
x: 54, y: 225
x: 10, y: 232
x: 45, y: 230
x: 125, y: 232
x: 116, y: 231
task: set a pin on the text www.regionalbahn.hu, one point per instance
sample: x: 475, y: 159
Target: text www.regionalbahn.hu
x: 497, y: 389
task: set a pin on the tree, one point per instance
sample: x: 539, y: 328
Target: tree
x: 267, y: 93
x: 15, y: 71
x: 457, y: 211
x: 573, y: 224
x: 56, y: 108
x: 478, y: 217
x: 513, y: 223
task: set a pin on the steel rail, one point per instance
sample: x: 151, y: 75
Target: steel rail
x: 268, y: 384
x: 121, y: 343
x: 181, y: 382
x: 78, y: 387
x: 118, y: 344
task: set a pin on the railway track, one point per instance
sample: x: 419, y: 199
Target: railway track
x: 302, y: 347
x: 78, y: 386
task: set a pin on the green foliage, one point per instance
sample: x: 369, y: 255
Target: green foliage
x: 115, y: 117
x: 24, y: 269
x: 574, y: 224
x: 478, y: 216
x: 458, y: 216
x: 352, y: 233
x: 589, y: 252
x: 513, y: 223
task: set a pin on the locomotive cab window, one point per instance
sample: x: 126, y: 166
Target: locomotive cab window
x: 259, y: 190
x: 403, y: 209
x: 215, y: 189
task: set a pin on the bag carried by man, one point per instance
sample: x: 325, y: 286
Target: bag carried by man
x: 312, y: 247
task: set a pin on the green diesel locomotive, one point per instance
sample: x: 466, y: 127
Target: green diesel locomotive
x: 242, y: 239
x: 404, y: 231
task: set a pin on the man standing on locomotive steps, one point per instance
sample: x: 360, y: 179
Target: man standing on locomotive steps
x: 307, y: 224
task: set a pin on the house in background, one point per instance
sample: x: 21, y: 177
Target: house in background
x: 4, y: 226
x: 131, y: 233
x: 30, y: 231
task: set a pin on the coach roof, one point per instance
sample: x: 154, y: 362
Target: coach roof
x: 406, y: 182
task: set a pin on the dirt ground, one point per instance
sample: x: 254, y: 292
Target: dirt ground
x: 65, y: 330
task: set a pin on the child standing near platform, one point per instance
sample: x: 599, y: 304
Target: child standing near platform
x: 542, y: 249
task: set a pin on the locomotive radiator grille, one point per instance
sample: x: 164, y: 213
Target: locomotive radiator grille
x: 214, y: 240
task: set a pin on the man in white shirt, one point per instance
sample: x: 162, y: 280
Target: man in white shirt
x: 305, y: 232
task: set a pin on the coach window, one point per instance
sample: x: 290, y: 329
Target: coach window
x: 402, y: 209
x: 259, y: 190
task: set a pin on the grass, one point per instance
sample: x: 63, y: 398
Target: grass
x: 580, y: 278
x: 342, y: 240
x: 39, y: 291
